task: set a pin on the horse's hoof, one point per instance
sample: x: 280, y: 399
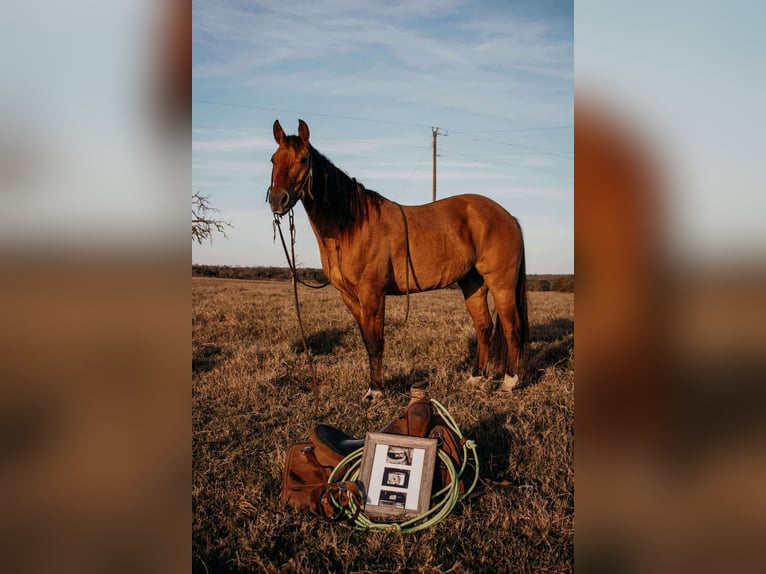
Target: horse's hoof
x: 372, y: 397
x: 475, y: 379
x: 509, y: 383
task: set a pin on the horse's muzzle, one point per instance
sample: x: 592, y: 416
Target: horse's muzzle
x: 279, y: 200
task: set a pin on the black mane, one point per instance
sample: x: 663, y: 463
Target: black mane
x: 338, y: 199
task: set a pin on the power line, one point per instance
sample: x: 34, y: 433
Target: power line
x: 323, y: 138
x: 539, y: 150
x: 532, y: 129
x: 336, y: 116
x: 495, y: 161
x: 416, y: 166
x: 372, y: 120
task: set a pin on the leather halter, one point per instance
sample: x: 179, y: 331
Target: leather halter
x: 307, y: 179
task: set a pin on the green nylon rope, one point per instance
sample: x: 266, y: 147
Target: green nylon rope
x: 442, y: 502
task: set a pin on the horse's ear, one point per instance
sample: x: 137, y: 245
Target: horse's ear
x: 303, y: 131
x: 279, y: 133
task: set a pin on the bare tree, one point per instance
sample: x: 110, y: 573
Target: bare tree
x: 203, y: 223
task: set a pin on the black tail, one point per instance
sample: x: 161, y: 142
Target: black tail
x: 521, y: 300
x: 500, y: 359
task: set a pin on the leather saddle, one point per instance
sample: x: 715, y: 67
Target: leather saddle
x: 332, y: 445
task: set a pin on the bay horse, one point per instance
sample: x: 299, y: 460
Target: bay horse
x: 372, y: 247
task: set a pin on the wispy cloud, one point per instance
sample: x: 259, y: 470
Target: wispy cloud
x: 342, y: 65
x: 256, y: 143
x: 229, y: 168
x: 248, y: 47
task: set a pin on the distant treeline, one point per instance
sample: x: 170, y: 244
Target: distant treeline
x: 563, y: 283
x: 260, y: 273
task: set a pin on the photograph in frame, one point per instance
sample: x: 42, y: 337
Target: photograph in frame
x: 397, y: 473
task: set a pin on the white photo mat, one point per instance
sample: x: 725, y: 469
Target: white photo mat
x: 397, y: 472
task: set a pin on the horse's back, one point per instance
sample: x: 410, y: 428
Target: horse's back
x: 480, y: 215
x: 450, y: 237
x: 468, y: 205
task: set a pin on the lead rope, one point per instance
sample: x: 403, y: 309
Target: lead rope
x: 294, y: 275
x: 291, y: 262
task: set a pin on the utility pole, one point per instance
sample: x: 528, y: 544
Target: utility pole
x: 434, y: 133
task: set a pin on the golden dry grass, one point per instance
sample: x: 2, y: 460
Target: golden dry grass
x: 252, y: 399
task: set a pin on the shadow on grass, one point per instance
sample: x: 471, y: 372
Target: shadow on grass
x: 322, y: 343
x: 470, y: 363
x: 551, y: 331
x: 494, y: 442
x: 538, y: 361
x: 402, y: 382
x: 206, y: 357
x: 297, y: 380
x: 555, y: 344
x: 549, y: 344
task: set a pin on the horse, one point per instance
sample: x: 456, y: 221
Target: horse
x: 372, y: 247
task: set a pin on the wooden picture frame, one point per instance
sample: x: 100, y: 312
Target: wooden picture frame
x: 397, y: 472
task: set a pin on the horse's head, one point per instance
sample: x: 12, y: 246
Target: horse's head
x: 291, y: 171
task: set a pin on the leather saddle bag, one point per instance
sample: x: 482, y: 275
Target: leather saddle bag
x: 305, y: 483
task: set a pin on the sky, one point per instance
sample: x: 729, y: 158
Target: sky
x: 371, y: 80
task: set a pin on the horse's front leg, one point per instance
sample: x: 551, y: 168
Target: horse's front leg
x: 373, y: 318
x: 369, y: 311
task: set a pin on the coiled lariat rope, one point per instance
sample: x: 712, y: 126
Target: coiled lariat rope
x: 442, y: 502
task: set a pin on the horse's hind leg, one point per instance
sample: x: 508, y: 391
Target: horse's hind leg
x: 475, y: 294
x: 507, y: 312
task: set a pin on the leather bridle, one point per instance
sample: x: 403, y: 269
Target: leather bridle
x: 303, y: 189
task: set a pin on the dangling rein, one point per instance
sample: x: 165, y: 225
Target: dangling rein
x: 295, y: 280
x: 290, y: 256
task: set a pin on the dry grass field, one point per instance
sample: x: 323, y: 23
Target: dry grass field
x: 252, y: 398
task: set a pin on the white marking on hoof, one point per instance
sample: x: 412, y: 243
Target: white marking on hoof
x: 475, y: 379
x: 372, y: 397
x: 509, y: 383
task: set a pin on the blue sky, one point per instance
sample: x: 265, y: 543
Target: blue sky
x: 371, y: 79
